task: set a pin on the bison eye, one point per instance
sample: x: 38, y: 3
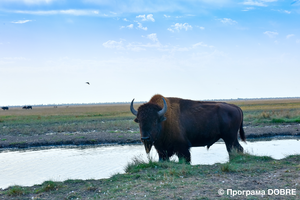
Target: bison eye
x: 136, y: 120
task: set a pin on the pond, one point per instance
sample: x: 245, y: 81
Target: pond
x: 34, y: 166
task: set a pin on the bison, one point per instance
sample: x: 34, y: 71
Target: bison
x: 27, y: 107
x: 4, y: 108
x: 174, y: 125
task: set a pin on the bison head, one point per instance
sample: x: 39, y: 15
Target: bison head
x: 149, y: 116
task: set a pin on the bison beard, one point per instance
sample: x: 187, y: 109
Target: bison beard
x: 148, y: 145
x: 173, y: 125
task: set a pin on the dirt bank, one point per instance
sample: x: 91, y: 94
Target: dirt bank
x: 82, y: 138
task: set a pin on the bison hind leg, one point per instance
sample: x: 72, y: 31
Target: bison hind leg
x: 238, y: 147
x: 234, y: 147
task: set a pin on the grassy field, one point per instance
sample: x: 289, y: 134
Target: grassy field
x: 270, y: 111
x: 176, y: 180
x: 41, y: 120
x: 117, y: 117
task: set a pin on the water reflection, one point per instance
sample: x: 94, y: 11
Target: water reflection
x: 31, y: 167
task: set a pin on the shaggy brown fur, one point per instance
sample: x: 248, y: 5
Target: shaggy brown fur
x: 188, y: 124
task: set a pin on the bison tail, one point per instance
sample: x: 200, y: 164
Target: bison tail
x: 242, y: 133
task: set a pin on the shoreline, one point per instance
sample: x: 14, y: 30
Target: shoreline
x: 104, y: 138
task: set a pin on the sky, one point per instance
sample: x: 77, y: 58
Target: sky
x: 125, y: 49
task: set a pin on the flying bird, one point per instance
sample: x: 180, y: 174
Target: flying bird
x: 87, y: 83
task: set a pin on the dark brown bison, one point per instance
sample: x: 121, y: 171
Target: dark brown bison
x: 4, y: 108
x: 27, y: 107
x: 174, y: 125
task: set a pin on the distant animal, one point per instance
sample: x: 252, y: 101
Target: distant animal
x: 174, y: 125
x: 87, y: 83
x: 27, y: 107
x: 4, y: 108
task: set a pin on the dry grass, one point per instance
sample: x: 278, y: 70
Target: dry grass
x: 268, y: 104
x: 83, y: 118
x: 69, y: 110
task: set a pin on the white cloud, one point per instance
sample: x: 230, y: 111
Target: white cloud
x: 248, y: 8
x: 152, y: 37
x: 298, y: 41
x: 126, y: 20
x: 261, y: 3
x: 21, y: 21
x: 150, y: 17
x: 254, y: 3
x: 140, y: 26
x: 202, y: 45
x: 200, y: 27
x: 271, y: 34
x: 169, y: 29
x: 134, y: 47
x: 146, y: 18
x: 111, y: 44
x: 65, y: 12
x: 228, y: 21
x: 289, y: 36
x: 283, y: 11
x: 12, y: 60
x: 32, y: 1
x: 130, y: 26
x: 179, y: 26
x: 167, y: 16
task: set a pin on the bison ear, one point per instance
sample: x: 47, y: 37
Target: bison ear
x: 162, y: 118
x: 136, y: 120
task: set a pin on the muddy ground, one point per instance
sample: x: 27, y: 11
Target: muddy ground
x: 87, y: 138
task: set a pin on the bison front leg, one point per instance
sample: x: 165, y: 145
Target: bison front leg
x: 163, y: 155
x: 185, y: 155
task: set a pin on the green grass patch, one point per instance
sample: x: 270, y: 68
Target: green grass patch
x: 287, y: 120
x: 137, y: 164
x: 49, y: 186
x: 16, y: 191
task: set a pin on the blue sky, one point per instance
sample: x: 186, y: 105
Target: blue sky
x: 195, y: 49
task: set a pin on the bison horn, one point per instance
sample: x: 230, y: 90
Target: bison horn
x: 164, y: 109
x: 132, y: 109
